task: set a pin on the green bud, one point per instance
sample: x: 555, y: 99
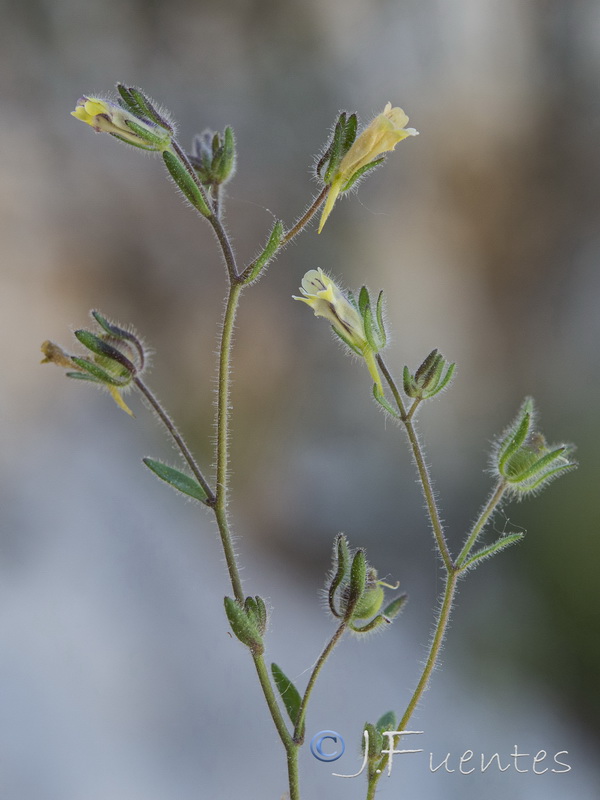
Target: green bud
x: 371, y: 599
x: 255, y: 607
x: 375, y: 741
x: 213, y: 156
x: 133, y: 121
x: 430, y: 379
x: 244, y: 625
x: 524, y: 460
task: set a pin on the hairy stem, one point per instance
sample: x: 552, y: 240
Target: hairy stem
x: 177, y: 438
x: 306, y: 217
x: 488, y: 510
x: 298, y: 732
x: 424, y: 477
x: 222, y: 447
x: 432, y: 658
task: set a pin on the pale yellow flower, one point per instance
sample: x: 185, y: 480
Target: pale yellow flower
x: 102, y: 115
x: 327, y: 300
x: 380, y: 136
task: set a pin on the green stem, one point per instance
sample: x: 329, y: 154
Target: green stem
x: 214, y: 218
x: 298, y: 731
x: 424, y: 477
x: 481, y: 521
x: 434, y: 651
x: 222, y: 454
x: 306, y: 217
x: 177, y: 438
x: 220, y: 509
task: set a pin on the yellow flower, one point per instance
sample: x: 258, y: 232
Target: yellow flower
x: 327, y: 300
x: 380, y: 136
x: 109, y: 117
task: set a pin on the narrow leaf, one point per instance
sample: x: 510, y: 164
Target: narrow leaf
x: 383, y: 402
x: 379, y: 315
x: 341, y: 563
x: 185, y: 182
x: 289, y: 694
x: 178, y: 480
x: 491, y: 550
x: 360, y: 172
x: 267, y: 254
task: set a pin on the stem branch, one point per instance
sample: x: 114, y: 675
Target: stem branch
x: 177, y: 438
x: 481, y: 521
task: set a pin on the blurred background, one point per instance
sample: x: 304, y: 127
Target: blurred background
x: 118, y: 678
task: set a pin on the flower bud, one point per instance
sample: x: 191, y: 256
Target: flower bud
x: 522, y: 457
x: 354, y: 591
x: 110, y: 117
x: 378, y: 138
x: 213, y: 156
x: 244, y: 625
x: 429, y: 379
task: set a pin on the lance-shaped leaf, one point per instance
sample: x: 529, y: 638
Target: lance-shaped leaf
x: 491, y: 550
x: 271, y: 247
x: 341, y: 565
x: 104, y: 350
x: 178, y: 480
x: 289, y: 694
x: 186, y: 182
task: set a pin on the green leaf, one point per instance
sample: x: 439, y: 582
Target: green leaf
x: 255, y: 606
x: 358, y: 581
x: 119, y: 333
x: 516, y: 434
x: 271, y: 247
x: 375, y: 337
x: 178, y: 480
x: 82, y: 376
x: 395, y: 607
x: 379, y: 315
x: 289, y: 694
x: 141, y: 104
x: 387, y: 722
x: 185, y: 182
x: 491, y: 550
x: 341, y: 564
x: 335, y: 149
x: 360, y: 172
x: 100, y: 374
x: 444, y: 382
x: 384, y: 403
x: 349, y: 133
x: 102, y: 348
x: 364, y: 301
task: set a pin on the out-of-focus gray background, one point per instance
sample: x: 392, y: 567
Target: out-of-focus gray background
x: 118, y: 678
